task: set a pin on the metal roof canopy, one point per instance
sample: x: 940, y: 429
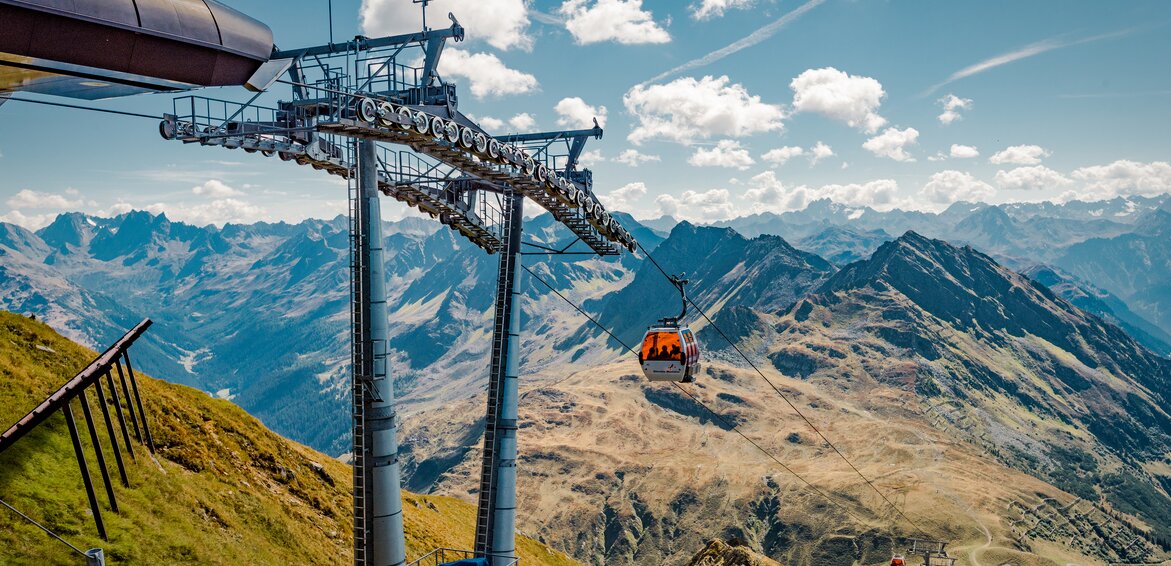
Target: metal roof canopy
x: 94, y: 49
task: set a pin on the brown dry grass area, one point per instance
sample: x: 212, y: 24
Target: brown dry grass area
x: 609, y: 476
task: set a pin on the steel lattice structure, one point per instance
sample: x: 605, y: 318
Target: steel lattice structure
x: 377, y: 113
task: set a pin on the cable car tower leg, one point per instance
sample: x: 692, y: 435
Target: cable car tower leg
x: 378, y: 519
x: 496, y: 516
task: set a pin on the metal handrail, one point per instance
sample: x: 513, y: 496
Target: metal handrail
x: 439, y: 555
x: 84, y: 378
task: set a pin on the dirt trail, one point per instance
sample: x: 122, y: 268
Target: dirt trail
x: 987, y: 544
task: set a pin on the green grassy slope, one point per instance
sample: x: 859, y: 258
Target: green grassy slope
x: 222, y: 490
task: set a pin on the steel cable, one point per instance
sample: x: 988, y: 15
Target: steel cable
x: 727, y: 424
x: 787, y: 401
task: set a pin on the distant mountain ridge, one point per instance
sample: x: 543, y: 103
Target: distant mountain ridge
x: 999, y: 344
x: 258, y: 314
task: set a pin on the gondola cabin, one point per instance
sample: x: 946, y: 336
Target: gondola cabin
x: 898, y: 560
x: 669, y: 353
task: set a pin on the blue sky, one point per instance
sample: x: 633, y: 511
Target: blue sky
x: 730, y: 107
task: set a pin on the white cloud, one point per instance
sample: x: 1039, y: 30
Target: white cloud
x: 952, y: 105
x: 573, y: 112
x: 708, y: 9
x: 502, y: 23
x: 634, y: 158
x: 946, y: 187
x: 1019, y: 155
x: 726, y: 153
x: 781, y: 155
x: 26, y: 198
x: 892, y: 143
x: 766, y: 193
x: 590, y: 158
x: 707, y: 206
x: 1031, y: 178
x: 624, y: 197
x: 686, y: 109
x: 489, y: 123
x: 838, y: 95
x: 760, y: 34
x: 116, y: 209
x: 218, y: 212
x: 818, y: 152
x: 1023, y: 53
x: 1122, y: 178
x: 27, y: 221
x: 522, y: 122
x: 214, y: 188
x: 486, y: 73
x: 622, y: 21
x: 878, y: 194
x: 964, y: 151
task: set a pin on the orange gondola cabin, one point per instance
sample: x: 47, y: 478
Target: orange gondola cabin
x: 670, y: 351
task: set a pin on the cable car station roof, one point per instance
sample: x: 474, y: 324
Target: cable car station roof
x: 93, y: 49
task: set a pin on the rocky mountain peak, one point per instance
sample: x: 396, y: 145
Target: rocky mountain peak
x: 68, y: 229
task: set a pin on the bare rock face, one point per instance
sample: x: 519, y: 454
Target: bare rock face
x: 719, y: 553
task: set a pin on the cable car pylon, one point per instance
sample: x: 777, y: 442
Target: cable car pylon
x: 496, y: 511
x: 351, y: 102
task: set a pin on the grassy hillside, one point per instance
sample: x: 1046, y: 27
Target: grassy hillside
x: 222, y: 490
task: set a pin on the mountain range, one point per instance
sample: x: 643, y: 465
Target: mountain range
x: 991, y: 388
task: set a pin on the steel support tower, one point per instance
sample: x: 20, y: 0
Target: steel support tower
x: 378, y: 519
x: 350, y: 103
x: 496, y: 512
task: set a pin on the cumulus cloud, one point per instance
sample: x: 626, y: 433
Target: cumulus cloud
x: 952, y: 105
x: 892, y: 143
x: 766, y: 193
x: 27, y: 221
x: 838, y: 95
x: 502, y: 23
x: 782, y: 155
x: 116, y: 209
x: 708, y: 9
x: 523, y: 122
x: 214, y: 188
x: 218, y: 212
x: 707, y: 206
x: 1019, y: 155
x: 622, y: 21
x: 820, y: 151
x: 946, y: 187
x: 590, y: 158
x: 1122, y: 178
x: 489, y: 123
x: 573, y: 112
x: 726, y: 153
x: 1031, y: 178
x: 634, y: 158
x: 879, y: 194
x: 686, y: 109
x: 26, y: 198
x: 486, y: 73
x: 964, y: 151
x: 625, y: 197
